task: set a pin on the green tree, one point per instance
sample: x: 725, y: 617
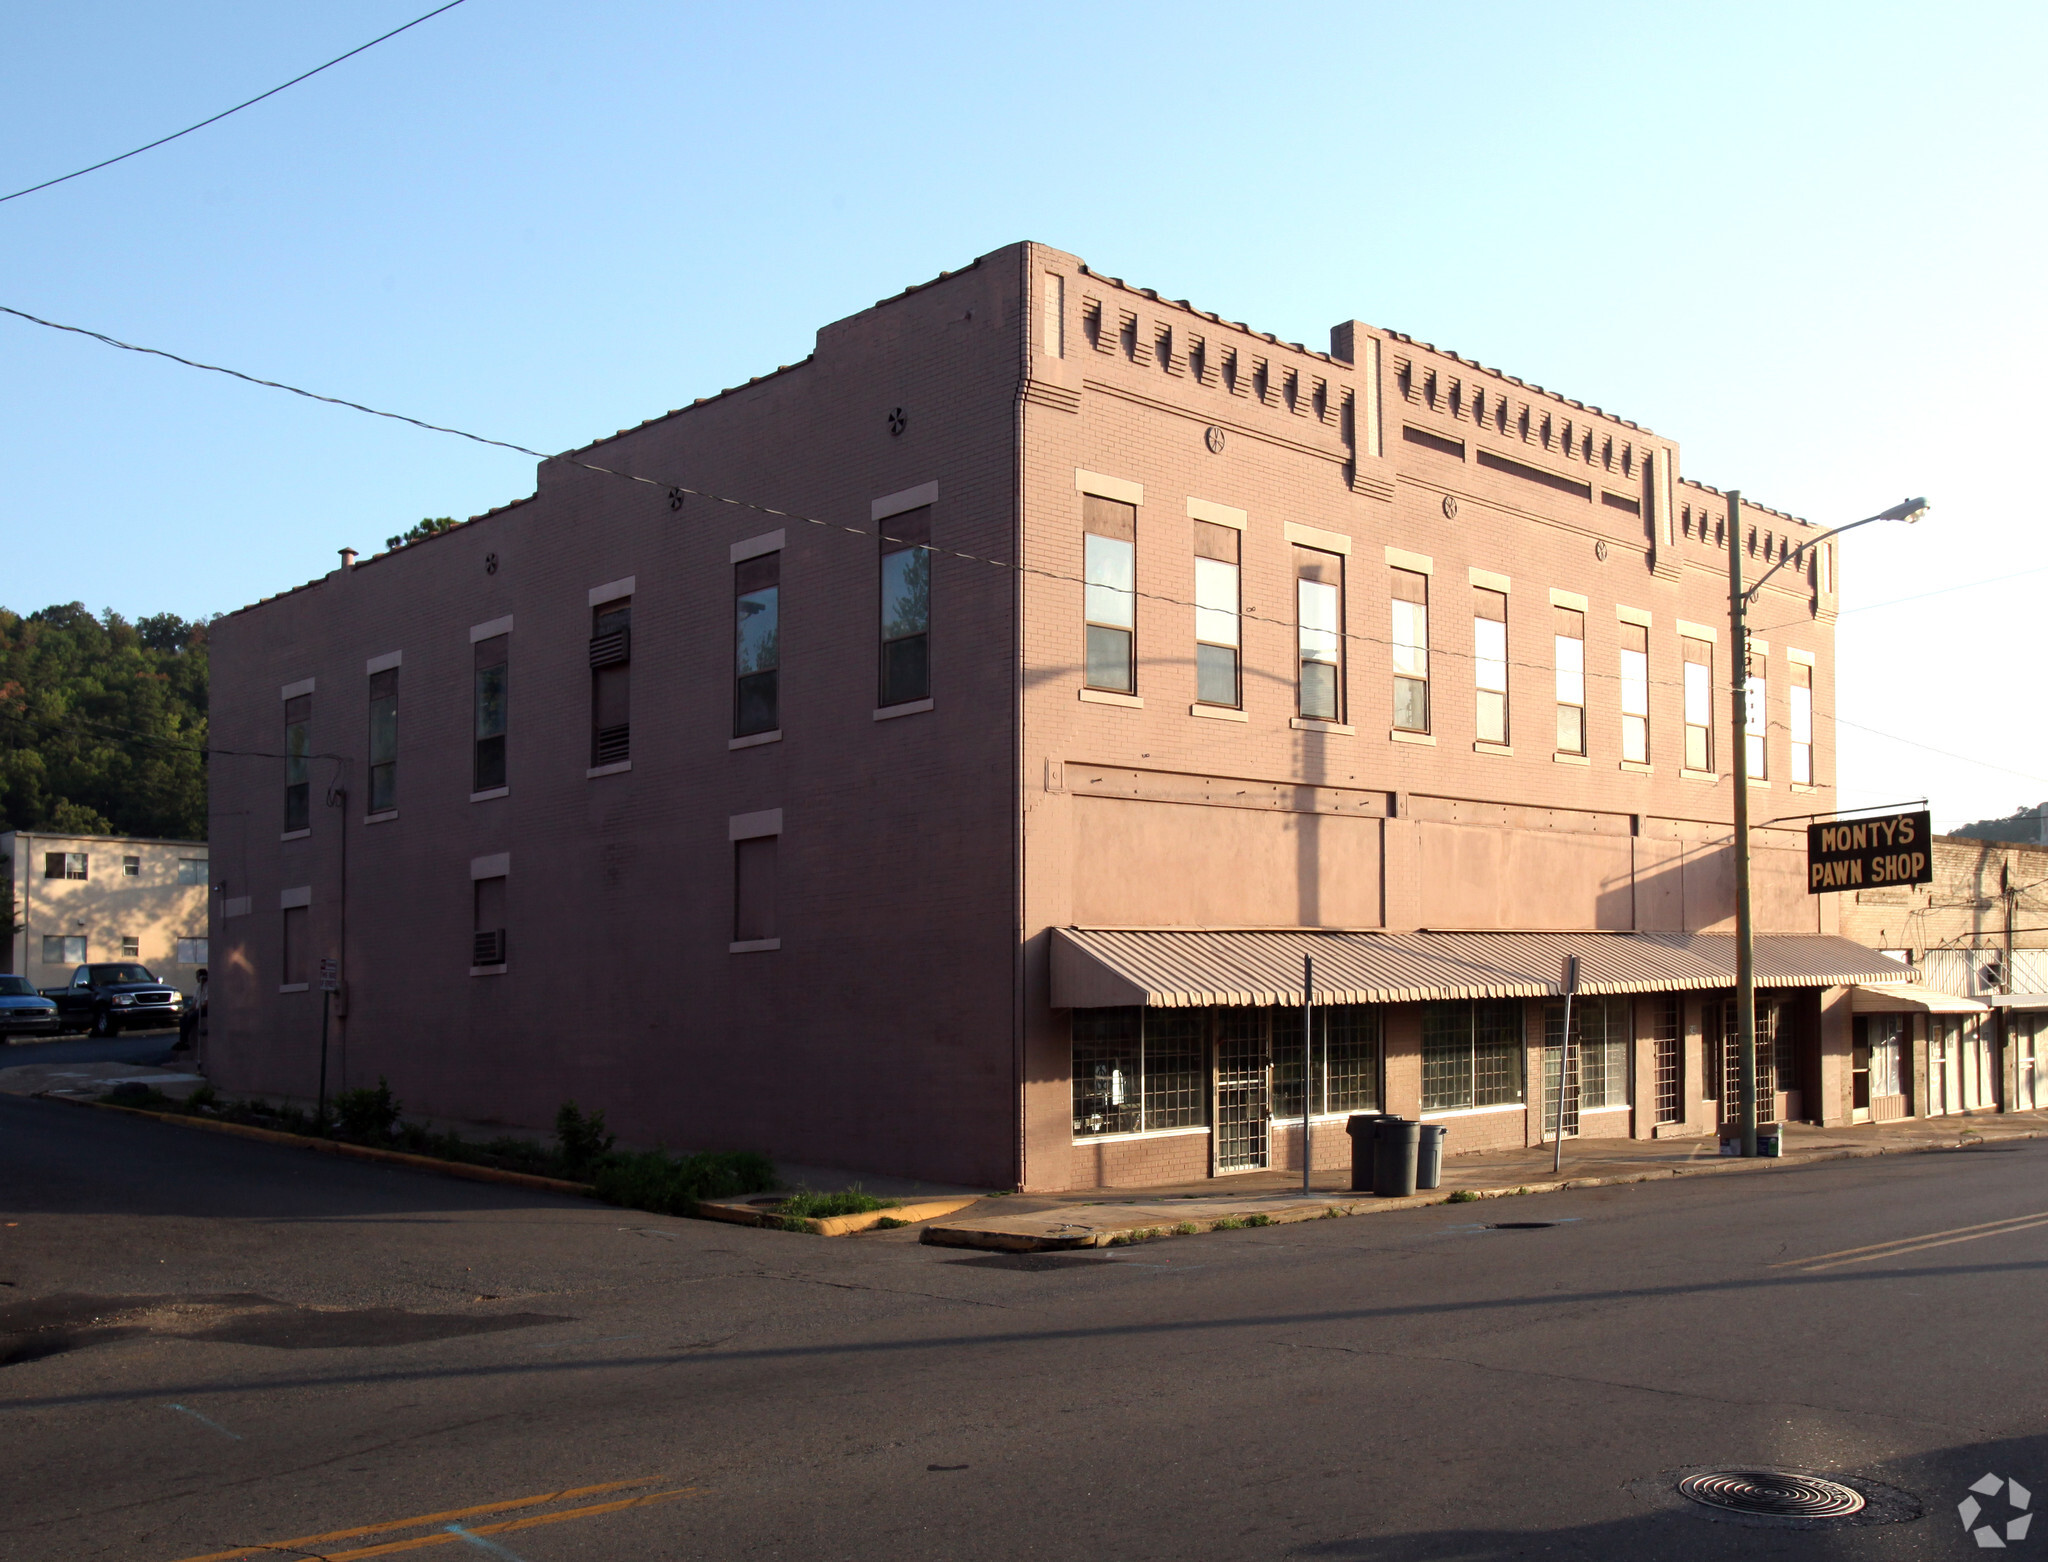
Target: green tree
x: 103, y: 723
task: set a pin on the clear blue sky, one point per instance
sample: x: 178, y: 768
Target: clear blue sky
x: 1807, y: 241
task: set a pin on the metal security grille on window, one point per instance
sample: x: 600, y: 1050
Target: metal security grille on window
x: 488, y: 947
x: 1670, y: 1063
x: 1346, y: 1071
x: 1471, y: 1055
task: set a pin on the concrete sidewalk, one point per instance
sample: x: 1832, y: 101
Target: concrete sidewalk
x: 1112, y: 1216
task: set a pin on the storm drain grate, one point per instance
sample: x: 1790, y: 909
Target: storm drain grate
x: 1521, y: 1225
x: 1772, y: 1494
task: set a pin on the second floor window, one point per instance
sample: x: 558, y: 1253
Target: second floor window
x: 64, y: 865
x: 1490, y: 662
x: 757, y: 645
x: 1635, y: 694
x: 1570, y: 635
x: 1216, y: 614
x: 298, y: 762
x: 493, y: 710
x: 906, y: 672
x: 1111, y: 595
x: 611, y: 682
x: 383, y: 741
x: 1698, y: 656
x: 1319, y: 603
x: 1755, y: 720
x: 191, y: 870
x: 1802, y: 723
x: 1410, y: 591
x: 487, y: 936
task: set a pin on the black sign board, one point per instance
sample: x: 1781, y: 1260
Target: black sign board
x: 1881, y: 852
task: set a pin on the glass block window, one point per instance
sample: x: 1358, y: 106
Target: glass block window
x: 1175, y: 1071
x: 1347, y: 1060
x: 1471, y: 1055
x: 1600, y: 1037
x: 1108, y: 1071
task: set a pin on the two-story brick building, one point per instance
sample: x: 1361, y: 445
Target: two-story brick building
x: 938, y: 755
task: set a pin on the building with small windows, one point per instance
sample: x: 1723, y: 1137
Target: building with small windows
x: 945, y: 756
x: 78, y: 899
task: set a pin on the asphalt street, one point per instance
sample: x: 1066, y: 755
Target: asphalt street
x: 150, y: 1048
x: 217, y: 1348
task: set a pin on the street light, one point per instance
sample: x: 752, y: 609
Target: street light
x: 1907, y: 510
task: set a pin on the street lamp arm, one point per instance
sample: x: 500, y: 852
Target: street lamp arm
x: 1909, y: 510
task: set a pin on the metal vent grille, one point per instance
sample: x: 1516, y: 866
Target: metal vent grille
x: 612, y: 745
x: 488, y: 948
x: 607, y: 650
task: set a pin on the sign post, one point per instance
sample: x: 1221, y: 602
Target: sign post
x: 330, y: 984
x: 1564, y: 1056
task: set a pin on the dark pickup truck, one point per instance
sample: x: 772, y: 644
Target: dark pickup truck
x: 115, y: 997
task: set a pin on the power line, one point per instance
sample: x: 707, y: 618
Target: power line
x: 224, y: 113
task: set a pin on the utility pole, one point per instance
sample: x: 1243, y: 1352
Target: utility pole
x: 1745, y: 927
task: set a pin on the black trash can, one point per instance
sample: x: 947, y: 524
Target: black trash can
x: 1393, y: 1158
x: 1429, y: 1156
x: 1362, y: 1126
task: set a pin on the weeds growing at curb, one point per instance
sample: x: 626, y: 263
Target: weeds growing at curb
x: 1463, y: 1196
x: 1227, y: 1223
x: 890, y: 1223
x: 1186, y: 1228
x: 805, y: 1205
x: 675, y: 1185
x: 1258, y: 1220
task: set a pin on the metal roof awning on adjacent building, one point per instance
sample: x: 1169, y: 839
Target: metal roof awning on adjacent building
x: 1900, y: 998
x: 2017, y: 1000
x: 1172, y: 968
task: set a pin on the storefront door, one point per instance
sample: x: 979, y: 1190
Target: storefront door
x: 1943, y: 1038
x: 1243, y: 1091
x: 2030, y: 1087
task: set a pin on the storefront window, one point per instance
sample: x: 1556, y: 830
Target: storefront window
x: 1471, y: 1055
x: 1136, y: 1071
x: 1600, y: 1029
x: 1347, y: 1061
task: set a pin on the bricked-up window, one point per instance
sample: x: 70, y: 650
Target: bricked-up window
x: 1138, y: 1071
x: 487, y: 907
x: 753, y: 889
x: 63, y: 949
x: 1218, y: 637
x: 383, y: 740
x: 1600, y: 1037
x: 1347, y: 1060
x: 906, y: 657
x: 1111, y: 606
x: 1471, y: 1055
x: 1802, y: 723
x: 1055, y: 315
x: 1569, y: 634
x: 298, y: 762
x: 294, y: 963
x: 1635, y: 694
x: 1410, y: 592
x: 1319, y: 611
x: 1490, y: 662
x: 1698, y: 661
x: 64, y: 865
x: 611, y: 682
x: 493, y: 688
x: 757, y: 645
x: 1755, y: 722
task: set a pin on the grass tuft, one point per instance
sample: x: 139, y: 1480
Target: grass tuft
x: 806, y: 1205
x: 1463, y: 1196
x: 1258, y: 1220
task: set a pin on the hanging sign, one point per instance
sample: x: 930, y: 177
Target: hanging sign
x: 1882, y: 852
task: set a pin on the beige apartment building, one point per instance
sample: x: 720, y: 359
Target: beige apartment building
x: 939, y: 755
x: 1973, y: 1036
x: 84, y: 898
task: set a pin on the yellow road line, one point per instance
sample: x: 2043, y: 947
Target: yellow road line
x: 532, y: 1521
x: 423, y: 1518
x: 1988, y: 1227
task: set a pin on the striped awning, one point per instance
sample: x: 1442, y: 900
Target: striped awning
x: 1094, y: 968
x: 1899, y: 998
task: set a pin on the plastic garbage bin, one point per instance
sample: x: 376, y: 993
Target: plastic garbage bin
x: 1429, y: 1156
x: 1362, y: 1126
x: 1393, y: 1158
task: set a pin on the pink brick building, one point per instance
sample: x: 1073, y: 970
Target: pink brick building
x: 940, y: 761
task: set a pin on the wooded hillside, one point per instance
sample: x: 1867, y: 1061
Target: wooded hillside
x: 103, y: 723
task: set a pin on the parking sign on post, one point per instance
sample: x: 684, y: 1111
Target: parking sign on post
x: 330, y: 976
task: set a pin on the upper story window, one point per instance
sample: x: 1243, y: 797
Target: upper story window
x: 757, y: 645
x: 1698, y: 660
x: 383, y: 741
x: 1410, y: 592
x: 493, y: 694
x: 1217, y: 629
x: 131, y: 867
x: 298, y: 763
x: 1802, y: 723
x: 1111, y: 595
x: 1635, y: 694
x: 1490, y: 662
x: 905, y: 670
x: 64, y: 865
x: 192, y: 870
x: 1319, y: 609
x: 1755, y: 720
x: 1570, y: 637
x: 611, y: 682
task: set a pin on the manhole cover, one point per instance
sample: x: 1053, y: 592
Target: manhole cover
x: 1772, y: 1494
x: 1521, y: 1225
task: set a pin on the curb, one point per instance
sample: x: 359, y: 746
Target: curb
x: 834, y: 1225
x: 997, y: 1240
x: 354, y: 1152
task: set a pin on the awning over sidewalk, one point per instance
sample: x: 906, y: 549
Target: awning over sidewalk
x: 2017, y: 1000
x: 1898, y: 998
x: 1095, y: 968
